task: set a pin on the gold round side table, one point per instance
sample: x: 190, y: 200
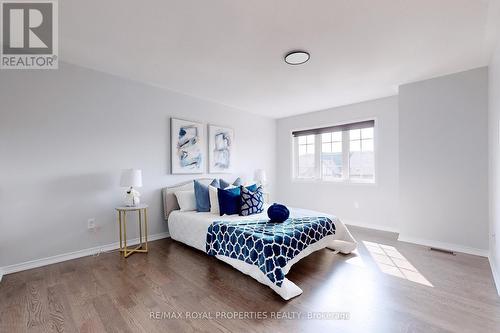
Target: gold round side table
x: 122, y: 223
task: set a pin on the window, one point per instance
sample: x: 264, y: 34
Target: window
x: 331, y: 155
x: 361, y: 155
x: 337, y: 153
x: 306, y: 148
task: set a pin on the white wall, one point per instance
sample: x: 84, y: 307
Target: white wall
x: 443, y: 161
x: 494, y: 162
x: 66, y: 134
x: 376, y: 204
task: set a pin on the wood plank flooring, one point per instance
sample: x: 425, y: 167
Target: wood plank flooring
x: 387, y: 286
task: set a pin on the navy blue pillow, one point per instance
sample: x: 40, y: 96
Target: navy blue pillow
x: 278, y: 213
x: 202, y: 196
x: 229, y: 201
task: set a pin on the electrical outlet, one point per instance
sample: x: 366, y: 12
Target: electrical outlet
x: 356, y: 204
x: 91, y: 224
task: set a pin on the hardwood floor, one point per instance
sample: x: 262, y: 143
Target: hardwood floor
x: 387, y: 286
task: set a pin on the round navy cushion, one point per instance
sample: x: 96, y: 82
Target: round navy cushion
x: 278, y: 213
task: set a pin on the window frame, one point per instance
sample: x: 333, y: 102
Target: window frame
x: 345, y: 157
x: 296, y: 161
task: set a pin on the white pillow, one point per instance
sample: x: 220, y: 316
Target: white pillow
x: 214, y: 200
x: 186, y: 200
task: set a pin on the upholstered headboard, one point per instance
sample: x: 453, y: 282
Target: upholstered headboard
x: 169, y: 199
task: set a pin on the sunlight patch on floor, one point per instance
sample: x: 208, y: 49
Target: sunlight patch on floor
x: 357, y: 260
x: 391, y: 262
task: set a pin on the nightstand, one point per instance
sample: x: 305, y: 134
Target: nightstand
x: 122, y: 223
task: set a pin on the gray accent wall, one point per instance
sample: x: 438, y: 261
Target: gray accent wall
x: 65, y: 136
x: 443, y: 161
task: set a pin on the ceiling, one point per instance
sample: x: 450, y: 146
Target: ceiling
x: 231, y: 51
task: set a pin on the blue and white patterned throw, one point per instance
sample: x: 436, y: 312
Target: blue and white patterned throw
x: 269, y: 246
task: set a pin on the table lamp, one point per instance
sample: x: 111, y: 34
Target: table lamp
x: 261, y: 177
x: 131, y: 178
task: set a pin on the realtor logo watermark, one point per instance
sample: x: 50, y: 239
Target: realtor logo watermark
x: 29, y: 34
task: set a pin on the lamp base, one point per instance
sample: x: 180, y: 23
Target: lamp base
x: 132, y: 198
x: 135, y: 203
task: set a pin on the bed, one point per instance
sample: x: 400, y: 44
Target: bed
x: 194, y: 229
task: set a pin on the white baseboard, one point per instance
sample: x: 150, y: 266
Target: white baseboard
x: 370, y: 226
x: 494, y: 271
x: 444, y: 246
x: 73, y: 255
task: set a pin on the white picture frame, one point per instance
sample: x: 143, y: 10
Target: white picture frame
x: 187, y: 147
x: 220, y: 149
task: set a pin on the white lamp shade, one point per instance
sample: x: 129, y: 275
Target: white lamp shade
x: 131, y: 177
x: 260, y: 176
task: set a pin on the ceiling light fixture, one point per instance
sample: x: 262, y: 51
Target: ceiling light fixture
x: 297, y: 57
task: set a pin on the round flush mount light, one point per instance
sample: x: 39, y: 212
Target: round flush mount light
x: 297, y: 57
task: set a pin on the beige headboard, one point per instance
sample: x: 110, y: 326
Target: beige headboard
x: 169, y: 199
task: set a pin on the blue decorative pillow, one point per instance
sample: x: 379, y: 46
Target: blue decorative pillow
x: 224, y: 184
x: 202, y: 196
x: 252, y: 188
x: 278, y: 213
x: 238, y: 182
x: 229, y: 200
x: 252, y: 202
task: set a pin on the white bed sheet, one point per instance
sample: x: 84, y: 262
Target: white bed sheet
x: 191, y: 229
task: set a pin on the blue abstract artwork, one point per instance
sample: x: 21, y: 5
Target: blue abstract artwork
x: 187, y: 147
x: 221, y: 145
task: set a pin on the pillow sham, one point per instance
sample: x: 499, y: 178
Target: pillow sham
x: 186, y: 200
x: 202, y: 195
x: 224, y: 184
x: 214, y: 200
x: 229, y: 201
x: 252, y: 202
x: 252, y: 188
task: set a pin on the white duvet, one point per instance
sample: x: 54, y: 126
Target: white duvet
x: 191, y: 228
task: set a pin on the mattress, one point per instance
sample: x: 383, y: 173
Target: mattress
x: 191, y: 229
